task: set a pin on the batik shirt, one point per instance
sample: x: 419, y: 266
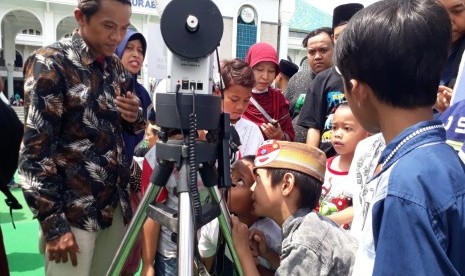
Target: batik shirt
x: 73, y: 157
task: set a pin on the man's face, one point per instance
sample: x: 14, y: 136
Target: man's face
x: 456, y: 11
x: 320, y: 52
x: 338, y: 31
x: 105, y: 29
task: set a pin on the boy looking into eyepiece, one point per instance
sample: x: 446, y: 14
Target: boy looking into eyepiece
x: 288, y: 184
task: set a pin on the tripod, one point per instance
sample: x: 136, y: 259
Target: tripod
x: 191, y: 30
x: 177, y: 154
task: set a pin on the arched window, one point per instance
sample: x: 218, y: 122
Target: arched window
x: 304, y: 64
x: 31, y: 32
x: 18, y: 59
x: 246, y: 30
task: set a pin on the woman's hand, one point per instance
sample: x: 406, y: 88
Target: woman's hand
x: 272, y: 131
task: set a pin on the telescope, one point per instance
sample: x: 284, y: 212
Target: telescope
x: 191, y: 30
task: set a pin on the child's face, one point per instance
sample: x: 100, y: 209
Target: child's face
x: 264, y: 73
x: 249, y: 164
x: 266, y: 197
x: 240, y: 201
x: 346, y: 132
x: 236, y: 100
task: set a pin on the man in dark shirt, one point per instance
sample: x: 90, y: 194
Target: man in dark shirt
x: 319, y: 47
x: 326, y: 92
x: 75, y: 174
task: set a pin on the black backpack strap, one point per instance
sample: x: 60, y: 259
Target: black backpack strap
x: 11, y: 201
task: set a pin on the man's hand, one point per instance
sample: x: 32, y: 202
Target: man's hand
x: 128, y: 107
x: 59, y: 248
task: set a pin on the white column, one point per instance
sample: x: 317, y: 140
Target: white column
x: 9, y: 77
x: 145, y: 66
x: 286, y: 12
x: 49, y: 31
x: 9, y: 54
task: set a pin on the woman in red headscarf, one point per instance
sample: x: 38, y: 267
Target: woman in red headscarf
x: 269, y: 108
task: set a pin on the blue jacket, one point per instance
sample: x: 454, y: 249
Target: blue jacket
x: 131, y: 140
x: 414, y: 208
x: 454, y: 122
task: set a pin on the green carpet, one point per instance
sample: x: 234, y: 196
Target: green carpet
x: 21, y: 244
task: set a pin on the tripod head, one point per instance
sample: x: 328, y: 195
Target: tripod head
x: 192, y: 30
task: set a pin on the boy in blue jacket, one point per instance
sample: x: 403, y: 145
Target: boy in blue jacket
x: 413, y: 207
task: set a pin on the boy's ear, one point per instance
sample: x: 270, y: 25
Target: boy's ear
x: 288, y: 184
x: 359, y: 90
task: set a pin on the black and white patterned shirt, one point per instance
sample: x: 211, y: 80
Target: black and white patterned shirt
x: 73, y: 161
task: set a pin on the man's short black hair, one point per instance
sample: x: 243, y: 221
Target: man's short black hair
x: 309, y: 187
x: 316, y: 32
x: 90, y: 7
x: 399, y: 48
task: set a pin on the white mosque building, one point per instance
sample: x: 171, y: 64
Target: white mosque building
x: 27, y: 25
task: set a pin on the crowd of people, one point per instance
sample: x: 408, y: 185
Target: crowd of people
x: 352, y: 167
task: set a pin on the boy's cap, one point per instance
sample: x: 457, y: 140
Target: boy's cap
x: 262, y: 52
x: 291, y: 155
x: 288, y: 68
x: 343, y: 13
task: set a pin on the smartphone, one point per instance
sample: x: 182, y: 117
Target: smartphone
x: 275, y: 123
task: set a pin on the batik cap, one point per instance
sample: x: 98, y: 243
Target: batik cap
x: 262, y: 51
x: 291, y: 155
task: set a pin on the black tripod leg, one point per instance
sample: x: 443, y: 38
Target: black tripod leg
x: 158, y: 179
x: 209, y: 178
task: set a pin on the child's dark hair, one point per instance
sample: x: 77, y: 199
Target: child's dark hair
x: 309, y: 187
x: 399, y: 48
x: 90, y: 7
x: 316, y: 32
x: 237, y: 71
x: 250, y: 158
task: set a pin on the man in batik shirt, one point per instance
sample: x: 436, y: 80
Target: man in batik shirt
x: 73, y: 165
